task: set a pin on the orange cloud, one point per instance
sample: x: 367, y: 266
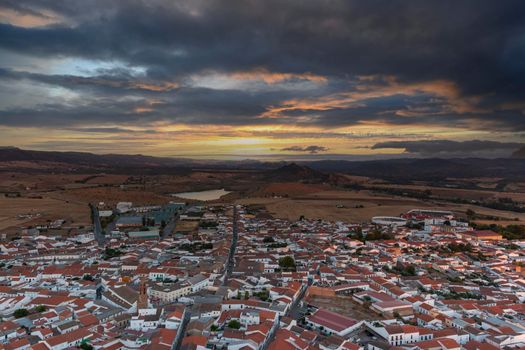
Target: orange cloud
x: 155, y: 87
x: 384, y: 86
x: 275, y: 77
x: 28, y: 20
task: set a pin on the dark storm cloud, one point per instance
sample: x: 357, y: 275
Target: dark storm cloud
x: 103, y: 83
x: 312, y: 149
x: 478, y: 45
x: 189, y: 105
x: 438, y: 147
x: 380, y: 37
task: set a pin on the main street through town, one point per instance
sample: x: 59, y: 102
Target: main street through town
x: 97, y: 227
x: 230, y: 263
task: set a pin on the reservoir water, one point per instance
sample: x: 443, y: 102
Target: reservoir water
x: 209, y: 195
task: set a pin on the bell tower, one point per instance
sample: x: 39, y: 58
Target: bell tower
x: 142, y: 302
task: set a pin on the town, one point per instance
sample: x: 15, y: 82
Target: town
x: 224, y: 276
x: 262, y: 175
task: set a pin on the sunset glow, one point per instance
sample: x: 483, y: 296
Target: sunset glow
x: 189, y: 81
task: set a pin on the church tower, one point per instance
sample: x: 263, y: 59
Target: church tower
x: 142, y: 303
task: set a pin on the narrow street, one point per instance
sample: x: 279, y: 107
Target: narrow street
x: 292, y: 312
x: 181, y: 331
x: 230, y: 263
x: 97, y: 227
x: 170, y: 226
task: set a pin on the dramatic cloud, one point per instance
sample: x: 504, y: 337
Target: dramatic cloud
x: 312, y: 149
x: 444, y: 147
x: 311, y: 70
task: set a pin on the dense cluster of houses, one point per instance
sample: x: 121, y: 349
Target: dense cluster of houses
x: 309, y: 284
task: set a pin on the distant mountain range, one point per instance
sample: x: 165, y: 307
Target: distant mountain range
x: 428, y: 168
x: 295, y: 172
x: 10, y: 154
x: 391, y: 169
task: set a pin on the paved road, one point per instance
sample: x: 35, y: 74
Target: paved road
x: 292, y: 312
x: 270, y: 336
x: 112, y: 226
x: 169, y: 226
x: 182, y: 329
x: 97, y: 228
x: 231, y: 257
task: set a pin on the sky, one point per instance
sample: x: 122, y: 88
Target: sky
x: 272, y: 79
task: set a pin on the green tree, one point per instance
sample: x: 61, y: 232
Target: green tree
x: 287, y: 263
x: 234, y: 324
x: 111, y: 253
x: 20, y: 313
x: 86, y: 346
x: 88, y: 277
x: 410, y: 270
x: 40, y: 308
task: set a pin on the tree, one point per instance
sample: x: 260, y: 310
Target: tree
x: 268, y: 239
x: 287, y: 263
x: 20, y: 313
x: 263, y: 295
x: 111, y: 253
x: 40, y: 308
x: 376, y: 235
x: 410, y: 270
x: 459, y: 247
x: 214, y: 328
x: 88, y: 277
x: 234, y: 324
x: 246, y: 295
x: 86, y: 346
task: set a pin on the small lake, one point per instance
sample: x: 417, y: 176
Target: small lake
x: 203, y: 195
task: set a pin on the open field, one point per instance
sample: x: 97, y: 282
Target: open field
x: 507, y: 215
x: 283, y: 193
x: 289, y: 189
x: 37, y: 182
x: 467, y: 194
x: 48, y: 208
x: 112, y: 195
x: 323, y: 205
x: 14, y: 181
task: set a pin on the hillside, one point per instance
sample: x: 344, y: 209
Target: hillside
x: 395, y: 170
x: 428, y: 168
